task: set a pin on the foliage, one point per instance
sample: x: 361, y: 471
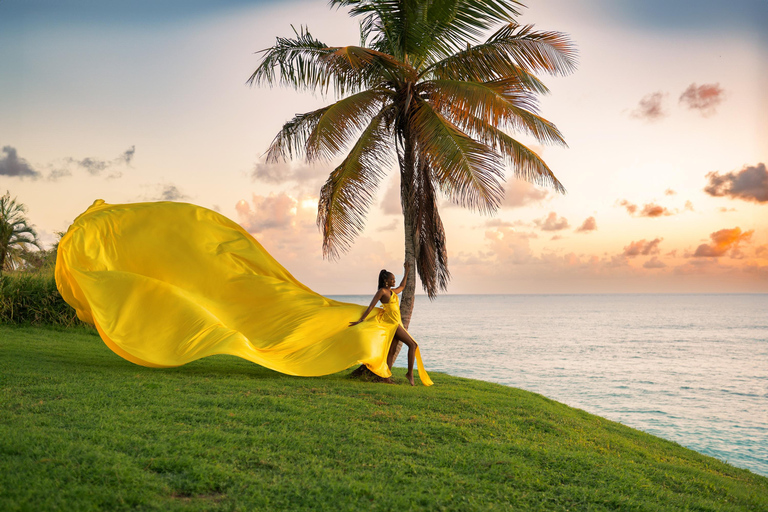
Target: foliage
x: 17, y: 237
x: 83, y: 429
x: 32, y: 298
x: 422, y: 89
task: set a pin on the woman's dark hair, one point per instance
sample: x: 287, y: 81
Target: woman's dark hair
x: 383, y: 276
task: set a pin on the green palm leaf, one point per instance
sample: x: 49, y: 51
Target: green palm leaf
x: 350, y: 189
x: 466, y: 170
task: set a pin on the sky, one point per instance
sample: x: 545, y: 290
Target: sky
x: 666, y: 120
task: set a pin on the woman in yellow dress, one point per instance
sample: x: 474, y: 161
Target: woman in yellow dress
x: 168, y: 283
x: 391, y: 315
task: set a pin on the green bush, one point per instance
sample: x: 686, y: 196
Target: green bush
x: 32, y: 298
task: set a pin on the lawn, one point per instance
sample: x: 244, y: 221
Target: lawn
x: 83, y: 429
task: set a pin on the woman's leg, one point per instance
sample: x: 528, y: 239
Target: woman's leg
x: 402, y: 335
x: 391, y: 354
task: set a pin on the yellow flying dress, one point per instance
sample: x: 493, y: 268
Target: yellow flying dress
x: 168, y: 283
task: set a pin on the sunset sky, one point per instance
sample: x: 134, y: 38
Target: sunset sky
x: 666, y: 120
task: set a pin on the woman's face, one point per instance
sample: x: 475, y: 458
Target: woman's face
x: 391, y: 279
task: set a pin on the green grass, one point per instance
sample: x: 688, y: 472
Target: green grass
x: 82, y: 429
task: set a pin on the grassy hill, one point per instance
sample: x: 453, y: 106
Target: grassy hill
x: 82, y: 429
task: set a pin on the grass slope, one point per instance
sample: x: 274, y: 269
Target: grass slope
x: 82, y: 429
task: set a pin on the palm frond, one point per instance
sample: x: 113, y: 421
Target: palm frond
x: 432, y: 263
x: 425, y: 30
x: 341, y: 121
x: 306, y: 63
x: 493, y: 103
x: 291, y: 140
x: 508, y: 53
x: 466, y: 170
x: 350, y: 189
x: 525, y: 163
x: 551, y: 52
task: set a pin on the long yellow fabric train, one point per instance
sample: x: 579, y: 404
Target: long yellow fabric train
x: 168, y: 283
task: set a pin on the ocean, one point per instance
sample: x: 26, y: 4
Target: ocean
x: 692, y: 369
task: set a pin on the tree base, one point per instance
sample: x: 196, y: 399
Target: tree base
x: 363, y: 373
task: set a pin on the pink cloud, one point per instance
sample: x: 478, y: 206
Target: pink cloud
x: 552, y: 223
x: 650, y: 107
x: 274, y: 211
x: 704, y: 98
x: 589, y: 225
x: 654, y: 262
x: 641, y: 247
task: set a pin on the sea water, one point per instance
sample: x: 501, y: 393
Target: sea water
x: 689, y: 368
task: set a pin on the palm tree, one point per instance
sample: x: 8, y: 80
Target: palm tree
x: 16, y: 235
x: 421, y: 90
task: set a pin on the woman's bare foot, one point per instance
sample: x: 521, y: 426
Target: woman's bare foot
x: 409, y: 376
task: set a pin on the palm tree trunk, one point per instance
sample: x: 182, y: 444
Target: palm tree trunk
x: 407, y: 196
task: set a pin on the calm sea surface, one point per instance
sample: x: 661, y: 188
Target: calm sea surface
x: 689, y: 368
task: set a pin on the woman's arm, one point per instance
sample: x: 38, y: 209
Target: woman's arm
x: 405, y: 279
x: 370, y: 307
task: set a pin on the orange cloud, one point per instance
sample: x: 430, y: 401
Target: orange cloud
x: 651, y: 210
x: 654, y: 210
x: 723, y: 241
x: 589, y: 225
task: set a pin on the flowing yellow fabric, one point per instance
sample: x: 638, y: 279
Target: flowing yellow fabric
x: 168, y: 283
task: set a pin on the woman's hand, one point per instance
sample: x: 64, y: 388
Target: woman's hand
x: 407, y: 266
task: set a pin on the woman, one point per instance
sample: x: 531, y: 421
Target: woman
x: 391, y: 314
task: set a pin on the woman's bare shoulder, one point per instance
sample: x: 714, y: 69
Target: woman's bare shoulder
x: 385, y: 293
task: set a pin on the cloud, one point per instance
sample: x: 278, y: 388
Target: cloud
x: 164, y: 192
x: 669, y: 192
x: 391, y: 226
x: 552, y: 223
x: 748, y: 184
x: 650, y: 107
x: 654, y: 262
x: 651, y: 210
x: 127, y: 155
x: 631, y: 208
x: 97, y: 166
x: 642, y: 248
x: 59, y: 173
x: 723, y: 241
x: 519, y: 193
x: 510, y: 246
x: 172, y: 193
x: 704, y: 98
x: 390, y: 203
x: 312, y: 177
x: 12, y: 165
x: 589, y: 225
x: 272, y: 212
